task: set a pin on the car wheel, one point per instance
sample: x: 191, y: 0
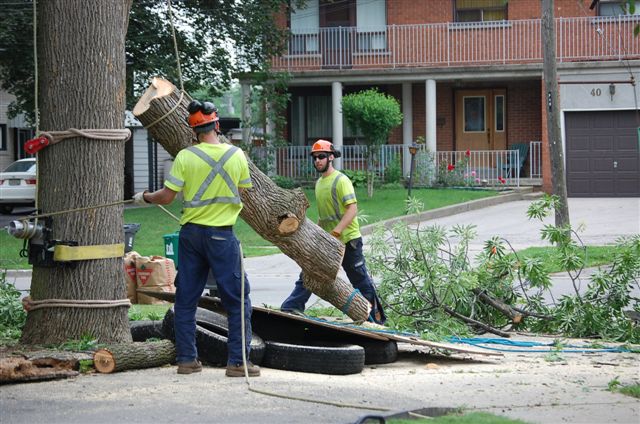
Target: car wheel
x: 6, y: 209
x: 320, y: 358
x: 146, y: 329
x: 211, y: 337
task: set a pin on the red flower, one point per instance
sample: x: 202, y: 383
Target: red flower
x: 450, y: 167
x: 467, y: 153
x: 502, y: 180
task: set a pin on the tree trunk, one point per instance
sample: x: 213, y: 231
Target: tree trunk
x: 133, y: 356
x: 82, y: 85
x: 553, y: 113
x: 270, y: 210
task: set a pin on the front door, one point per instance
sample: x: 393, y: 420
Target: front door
x: 481, y: 119
x: 337, y: 20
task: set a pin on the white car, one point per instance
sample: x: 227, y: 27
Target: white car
x: 18, y: 185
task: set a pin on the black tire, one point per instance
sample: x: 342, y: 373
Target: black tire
x: 320, y: 358
x: 379, y: 352
x: 211, y: 337
x: 213, y: 319
x: 146, y: 329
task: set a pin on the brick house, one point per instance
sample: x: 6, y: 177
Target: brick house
x: 468, y: 76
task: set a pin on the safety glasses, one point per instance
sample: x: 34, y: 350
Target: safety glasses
x: 321, y: 156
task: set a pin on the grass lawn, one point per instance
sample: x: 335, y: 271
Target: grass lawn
x: 468, y: 418
x: 155, y: 223
x: 595, y: 256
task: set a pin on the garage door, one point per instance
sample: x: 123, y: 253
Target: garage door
x: 602, y: 154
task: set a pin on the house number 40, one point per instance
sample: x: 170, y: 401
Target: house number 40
x: 596, y: 92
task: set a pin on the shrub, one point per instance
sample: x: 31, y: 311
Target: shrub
x: 12, y: 315
x: 358, y: 178
x: 285, y: 182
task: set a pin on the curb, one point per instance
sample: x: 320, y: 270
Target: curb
x: 519, y: 194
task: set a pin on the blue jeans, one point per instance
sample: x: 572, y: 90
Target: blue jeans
x: 354, y: 265
x: 202, y: 248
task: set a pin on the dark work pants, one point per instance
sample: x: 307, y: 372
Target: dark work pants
x: 354, y: 265
x: 200, y: 249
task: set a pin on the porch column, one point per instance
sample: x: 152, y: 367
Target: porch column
x: 407, y: 126
x: 336, y: 114
x: 430, y: 110
x: 245, y: 114
x: 269, y: 137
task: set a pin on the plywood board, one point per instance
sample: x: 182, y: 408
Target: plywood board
x: 269, y: 323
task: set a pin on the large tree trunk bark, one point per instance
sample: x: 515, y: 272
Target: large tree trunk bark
x: 82, y: 85
x: 278, y: 215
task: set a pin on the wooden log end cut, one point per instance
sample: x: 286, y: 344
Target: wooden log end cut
x: 103, y: 361
x: 289, y: 224
x: 159, y: 88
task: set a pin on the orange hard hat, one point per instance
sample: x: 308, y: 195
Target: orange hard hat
x: 203, y: 116
x: 324, y: 146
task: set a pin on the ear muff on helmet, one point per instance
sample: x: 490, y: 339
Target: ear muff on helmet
x: 203, y: 116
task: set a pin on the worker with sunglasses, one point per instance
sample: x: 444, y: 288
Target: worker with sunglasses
x: 210, y: 176
x: 337, y: 211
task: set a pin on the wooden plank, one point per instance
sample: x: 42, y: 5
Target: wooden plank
x: 275, y: 324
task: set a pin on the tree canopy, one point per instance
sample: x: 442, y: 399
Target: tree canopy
x: 215, y: 40
x: 374, y: 114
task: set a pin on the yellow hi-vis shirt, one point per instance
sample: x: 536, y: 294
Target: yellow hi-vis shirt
x: 333, y: 194
x: 208, y: 175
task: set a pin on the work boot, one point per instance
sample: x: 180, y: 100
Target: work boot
x: 189, y: 367
x: 237, y: 370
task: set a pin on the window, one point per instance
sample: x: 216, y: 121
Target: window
x: 480, y: 10
x: 371, y: 18
x: 3, y: 137
x: 615, y: 8
x: 499, y: 113
x: 474, y: 114
x: 22, y: 135
x: 304, y: 28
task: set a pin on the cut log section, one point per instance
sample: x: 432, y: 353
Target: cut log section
x: 137, y: 355
x: 16, y: 370
x: 278, y: 215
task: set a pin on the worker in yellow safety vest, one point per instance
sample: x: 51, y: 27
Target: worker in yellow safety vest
x: 210, y: 176
x: 337, y: 211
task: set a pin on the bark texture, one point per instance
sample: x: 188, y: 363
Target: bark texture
x: 133, y: 356
x: 270, y: 210
x: 82, y: 85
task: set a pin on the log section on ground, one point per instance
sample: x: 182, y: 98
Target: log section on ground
x: 136, y: 355
x: 270, y: 210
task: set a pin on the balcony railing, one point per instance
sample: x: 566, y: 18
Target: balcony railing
x: 452, y: 168
x: 459, y: 44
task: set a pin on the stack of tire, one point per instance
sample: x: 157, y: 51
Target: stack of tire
x: 323, y: 357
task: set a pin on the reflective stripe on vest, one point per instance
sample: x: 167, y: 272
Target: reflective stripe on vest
x: 216, y: 169
x: 334, y: 200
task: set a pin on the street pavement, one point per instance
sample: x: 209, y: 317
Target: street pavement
x: 524, y: 385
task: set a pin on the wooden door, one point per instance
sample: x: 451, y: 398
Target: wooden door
x: 481, y: 119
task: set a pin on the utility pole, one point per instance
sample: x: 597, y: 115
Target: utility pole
x: 558, y: 181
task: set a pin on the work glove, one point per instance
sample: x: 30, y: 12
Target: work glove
x: 138, y: 199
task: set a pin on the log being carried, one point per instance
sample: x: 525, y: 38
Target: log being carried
x: 278, y: 215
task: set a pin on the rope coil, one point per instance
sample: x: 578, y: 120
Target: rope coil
x: 93, y: 134
x: 32, y: 305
